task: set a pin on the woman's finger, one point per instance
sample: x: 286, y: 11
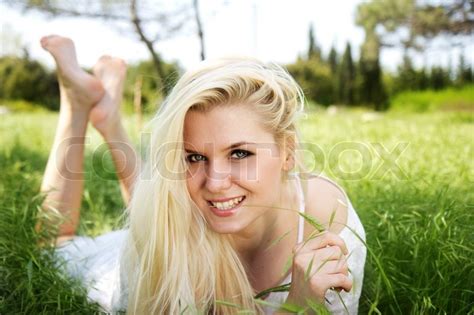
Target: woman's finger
x: 318, y: 267
x: 326, y: 253
x: 322, y: 241
x: 337, y: 280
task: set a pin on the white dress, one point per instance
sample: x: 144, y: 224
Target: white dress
x: 356, y: 260
x: 96, y: 261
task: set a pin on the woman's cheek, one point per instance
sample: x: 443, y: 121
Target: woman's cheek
x: 245, y: 170
x: 195, y: 178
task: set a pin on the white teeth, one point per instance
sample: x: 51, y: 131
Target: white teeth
x: 227, y: 204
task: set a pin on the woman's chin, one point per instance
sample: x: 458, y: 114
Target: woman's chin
x: 225, y: 227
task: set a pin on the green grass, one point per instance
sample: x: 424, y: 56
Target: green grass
x: 22, y: 106
x: 428, y: 101
x: 418, y: 215
x: 418, y: 219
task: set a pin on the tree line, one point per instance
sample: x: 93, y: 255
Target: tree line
x: 410, y: 25
x: 22, y: 78
x: 337, y: 78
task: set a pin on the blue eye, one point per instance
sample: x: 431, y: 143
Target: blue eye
x: 240, y: 154
x: 194, y: 158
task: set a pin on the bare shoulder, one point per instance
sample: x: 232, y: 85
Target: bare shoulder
x: 325, y: 199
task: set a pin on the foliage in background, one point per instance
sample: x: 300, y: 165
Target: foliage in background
x: 371, y: 87
x: 335, y: 79
x: 329, y: 79
x: 452, y: 99
x: 346, y: 79
x: 150, y: 23
x: 152, y: 90
x: 315, y: 79
x: 408, y: 24
x: 26, y: 83
x: 412, y: 24
x: 26, y: 79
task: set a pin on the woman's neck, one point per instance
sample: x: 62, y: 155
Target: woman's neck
x: 276, y: 221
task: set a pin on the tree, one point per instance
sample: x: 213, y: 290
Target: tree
x: 423, y: 81
x: 199, y: 28
x: 411, y: 24
x: 26, y: 79
x: 333, y: 66
x: 464, y: 72
x: 313, y: 50
x: 148, y: 23
x: 371, y: 88
x: 144, y: 71
x: 439, y: 78
x: 406, y: 76
x: 314, y: 77
x: 332, y: 60
x: 346, y: 87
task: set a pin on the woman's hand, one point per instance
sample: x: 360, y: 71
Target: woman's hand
x: 318, y: 265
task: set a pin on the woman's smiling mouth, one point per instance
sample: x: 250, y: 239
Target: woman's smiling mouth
x: 226, y: 204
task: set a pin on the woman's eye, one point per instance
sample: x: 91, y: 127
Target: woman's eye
x: 194, y: 158
x: 240, y: 154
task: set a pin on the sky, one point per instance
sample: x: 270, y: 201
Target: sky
x: 271, y: 30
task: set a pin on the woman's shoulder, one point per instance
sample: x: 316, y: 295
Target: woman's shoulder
x: 326, y: 201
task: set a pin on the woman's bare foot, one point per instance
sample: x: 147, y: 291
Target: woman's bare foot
x: 81, y: 89
x: 105, y: 115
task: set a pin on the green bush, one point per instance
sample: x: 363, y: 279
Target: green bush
x: 151, y: 93
x: 23, y: 79
x: 315, y: 79
x: 26, y: 79
x: 425, y: 101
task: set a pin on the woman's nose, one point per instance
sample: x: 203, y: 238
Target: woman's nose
x: 218, y: 179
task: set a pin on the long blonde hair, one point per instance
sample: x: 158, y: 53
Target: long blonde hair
x: 172, y: 260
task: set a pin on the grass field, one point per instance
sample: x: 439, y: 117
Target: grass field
x: 410, y: 177
x: 458, y: 99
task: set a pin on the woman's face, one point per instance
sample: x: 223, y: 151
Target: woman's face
x: 235, y: 166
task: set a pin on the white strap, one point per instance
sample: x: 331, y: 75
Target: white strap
x: 301, y: 209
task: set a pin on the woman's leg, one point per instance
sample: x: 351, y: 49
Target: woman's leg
x: 63, y: 177
x: 105, y: 116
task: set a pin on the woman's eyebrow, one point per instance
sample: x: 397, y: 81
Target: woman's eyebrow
x: 238, y: 144
x: 232, y: 146
x: 190, y: 151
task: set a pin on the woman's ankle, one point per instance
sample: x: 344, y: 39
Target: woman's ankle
x: 113, y: 132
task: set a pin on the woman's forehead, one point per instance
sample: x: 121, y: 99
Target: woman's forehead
x: 224, y: 126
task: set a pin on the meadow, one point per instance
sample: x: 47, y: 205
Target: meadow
x: 410, y: 177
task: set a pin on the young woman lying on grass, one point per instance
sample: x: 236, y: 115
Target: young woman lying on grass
x: 217, y: 213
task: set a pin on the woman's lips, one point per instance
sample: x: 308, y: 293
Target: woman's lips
x: 224, y: 199
x: 226, y: 208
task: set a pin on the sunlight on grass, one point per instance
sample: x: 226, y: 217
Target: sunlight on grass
x: 409, y: 176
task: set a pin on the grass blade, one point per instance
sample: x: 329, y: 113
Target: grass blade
x: 308, y: 270
x: 278, y: 240
x: 281, y: 288
x: 313, y: 221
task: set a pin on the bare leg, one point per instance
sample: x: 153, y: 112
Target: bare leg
x: 105, y: 116
x: 63, y: 178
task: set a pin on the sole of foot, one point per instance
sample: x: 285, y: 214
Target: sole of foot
x: 81, y: 89
x: 106, y: 113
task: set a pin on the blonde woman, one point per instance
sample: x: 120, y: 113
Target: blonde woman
x: 217, y: 210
